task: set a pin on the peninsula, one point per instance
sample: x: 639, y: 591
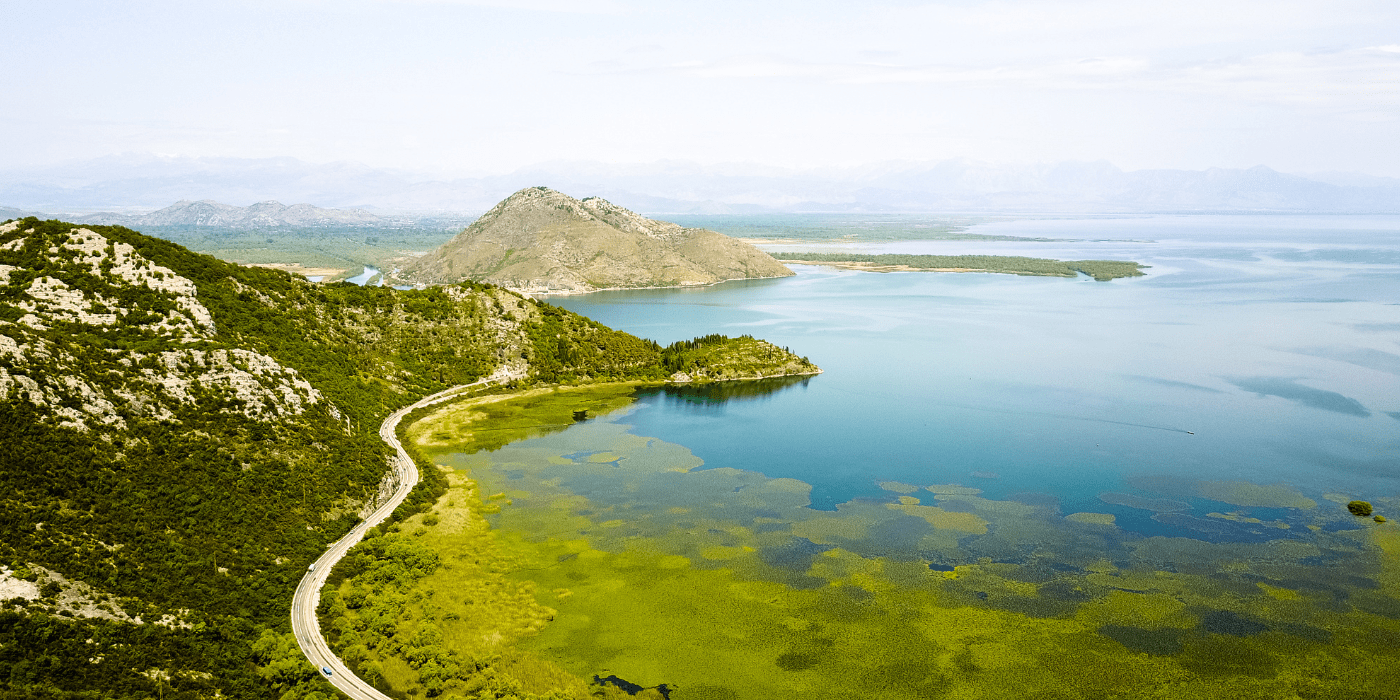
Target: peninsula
x: 1101, y: 270
x: 542, y: 241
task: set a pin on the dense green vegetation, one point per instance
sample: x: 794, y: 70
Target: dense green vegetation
x: 718, y: 357
x: 1101, y: 270
x: 569, y: 348
x: 133, y: 464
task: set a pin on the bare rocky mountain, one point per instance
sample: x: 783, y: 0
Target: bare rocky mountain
x: 261, y: 215
x: 540, y: 240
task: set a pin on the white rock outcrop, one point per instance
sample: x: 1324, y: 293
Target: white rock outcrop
x: 153, y: 386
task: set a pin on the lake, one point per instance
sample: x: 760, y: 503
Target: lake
x: 1276, y: 340
x: 1161, y: 461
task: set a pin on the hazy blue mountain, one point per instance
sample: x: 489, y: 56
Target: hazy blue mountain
x: 209, y: 213
x: 671, y: 187
x: 12, y: 213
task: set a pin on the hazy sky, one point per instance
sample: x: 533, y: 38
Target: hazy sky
x: 486, y: 87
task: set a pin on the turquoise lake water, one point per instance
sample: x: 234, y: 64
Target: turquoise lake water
x: 1263, y: 349
x: 1001, y: 486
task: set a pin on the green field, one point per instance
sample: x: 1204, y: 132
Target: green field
x: 348, y: 249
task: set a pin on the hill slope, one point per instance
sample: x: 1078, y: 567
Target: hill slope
x: 539, y: 240
x: 180, y: 436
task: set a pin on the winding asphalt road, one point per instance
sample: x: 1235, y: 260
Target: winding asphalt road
x: 305, y: 624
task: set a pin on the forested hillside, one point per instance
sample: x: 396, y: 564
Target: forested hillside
x: 180, y: 436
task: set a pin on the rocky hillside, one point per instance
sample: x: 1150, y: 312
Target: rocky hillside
x: 539, y: 240
x: 180, y: 436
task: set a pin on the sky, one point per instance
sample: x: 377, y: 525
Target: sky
x: 484, y: 87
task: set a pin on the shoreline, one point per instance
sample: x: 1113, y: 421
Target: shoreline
x: 873, y: 267
x: 1099, y: 270
x: 571, y: 293
x: 536, y: 293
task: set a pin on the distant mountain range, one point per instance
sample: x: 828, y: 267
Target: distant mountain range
x: 145, y: 182
x: 7, y: 213
x: 261, y: 215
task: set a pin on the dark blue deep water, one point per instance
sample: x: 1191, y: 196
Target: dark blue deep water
x: 1274, y: 339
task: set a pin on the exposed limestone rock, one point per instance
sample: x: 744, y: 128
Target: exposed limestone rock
x: 11, y: 348
x: 52, y: 300
x: 540, y: 240
x: 261, y: 388
x: 75, y: 597
x: 387, y: 486
x: 265, y: 387
x: 57, y: 302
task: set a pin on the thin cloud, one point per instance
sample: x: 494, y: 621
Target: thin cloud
x: 582, y: 7
x: 1173, y: 383
x: 1304, y: 395
x: 1349, y: 79
x: 1369, y: 358
x: 1377, y: 327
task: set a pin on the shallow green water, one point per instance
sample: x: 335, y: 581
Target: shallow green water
x: 723, y: 583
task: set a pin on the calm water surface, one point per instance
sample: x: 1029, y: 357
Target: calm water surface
x: 1000, y: 487
x: 1275, y: 340
x: 994, y: 475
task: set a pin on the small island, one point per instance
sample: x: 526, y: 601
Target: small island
x: 1101, y: 270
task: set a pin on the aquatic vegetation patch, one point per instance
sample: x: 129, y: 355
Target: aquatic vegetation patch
x: 1156, y: 505
x: 898, y: 487
x: 1106, y: 519
x: 723, y: 583
x: 1239, y: 493
x: 426, y: 608
x: 493, y: 421
x: 951, y: 490
x: 944, y: 519
x: 1243, y: 493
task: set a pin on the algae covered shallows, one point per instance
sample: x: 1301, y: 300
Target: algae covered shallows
x: 607, y: 553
